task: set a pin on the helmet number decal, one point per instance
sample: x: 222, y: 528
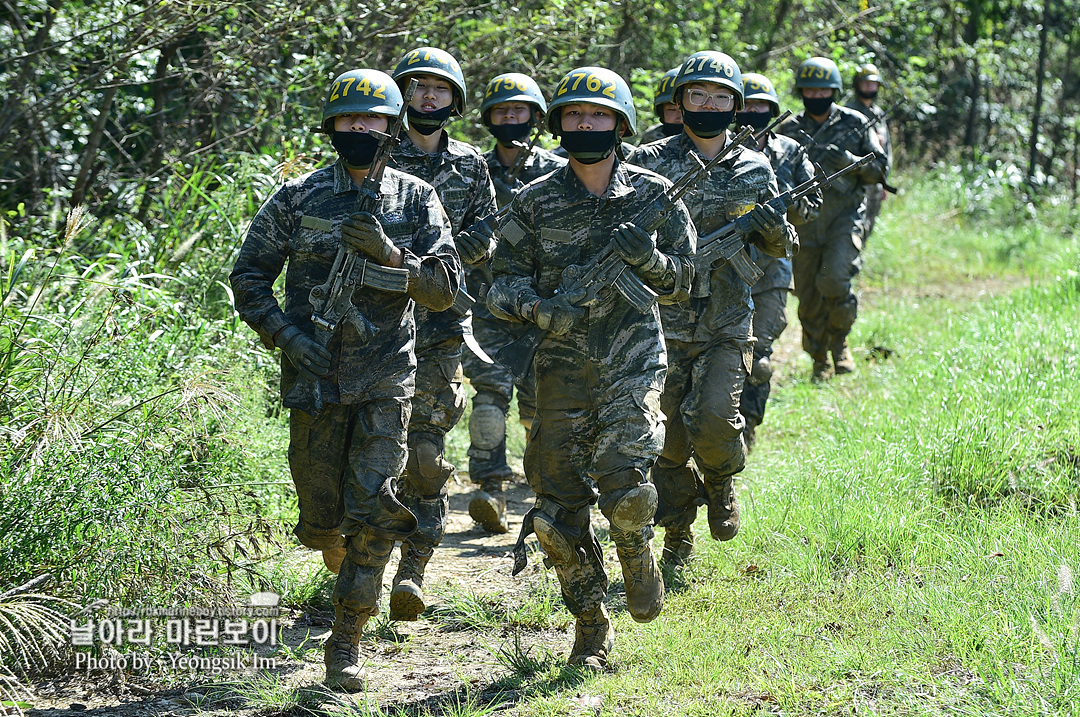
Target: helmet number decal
x: 341, y: 89
x: 713, y: 64
x: 506, y: 84
x: 431, y: 55
x: 811, y: 72
x: 593, y: 84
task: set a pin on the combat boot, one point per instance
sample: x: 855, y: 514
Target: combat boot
x: 842, y: 358
x: 678, y: 546
x: 407, y: 596
x: 641, y: 575
x: 723, y: 508
x: 593, y: 639
x: 822, y: 371
x: 343, y: 670
x: 488, y: 506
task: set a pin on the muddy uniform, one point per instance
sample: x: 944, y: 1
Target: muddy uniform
x: 343, y: 460
x: 460, y: 177
x: 875, y: 193
x: 830, y: 244
x: 494, y: 385
x: 708, y: 337
x: 598, y: 420
x: 770, y: 293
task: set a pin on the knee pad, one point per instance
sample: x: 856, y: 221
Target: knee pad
x: 761, y: 371
x: 558, y: 547
x: 318, y: 539
x: 633, y: 509
x: 487, y: 426
x: 427, y: 470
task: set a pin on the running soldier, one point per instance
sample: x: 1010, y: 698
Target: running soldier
x: 344, y: 458
x: 770, y: 293
x: 829, y: 258
x: 666, y: 110
x: 708, y: 337
x: 599, y: 372
x: 460, y: 177
x: 866, y: 83
x: 512, y: 109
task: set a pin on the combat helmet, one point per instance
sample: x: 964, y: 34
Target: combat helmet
x: 665, y: 91
x: 433, y: 61
x: 819, y: 72
x: 513, y: 87
x: 760, y: 87
x: 597, y: 85
x: 361, y: 92
x: 710, y: 66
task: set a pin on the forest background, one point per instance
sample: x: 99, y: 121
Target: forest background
x: 141, y: 454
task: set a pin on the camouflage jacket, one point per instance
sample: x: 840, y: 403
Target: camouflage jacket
x: 460, y: 177
x: 539, y: 163
x: 300, y: 225
x: 791, y: 168
x: 881, y: 129
x: 842, y: 126
x: 555, y: 223
x: 654, y: 133
x: 720, y: 306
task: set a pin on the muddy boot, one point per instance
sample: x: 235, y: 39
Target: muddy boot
x: 593, y: 639
x: 822, y: 370
x: 407, y: 597
x: 641, y: 575
x: 488, y: 506
x: 678, y: 546
x: 723, y: 508
x: 842, y: 358
x: 333, y: 558
x: 343, y: 670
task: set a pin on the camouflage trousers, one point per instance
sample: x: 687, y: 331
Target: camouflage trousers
x: 824, y: 270
x: 585, y: 446
x: 875, y: 196
x: 770, y: 320
x: 494, y: 385
x: 701, y: 400
x: 436, y: 408
x: 342, y: 463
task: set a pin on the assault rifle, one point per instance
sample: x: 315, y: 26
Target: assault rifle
x: 523, y: 156
x: 331, y: 301
x: 726, y: 243
x: 607, y: 269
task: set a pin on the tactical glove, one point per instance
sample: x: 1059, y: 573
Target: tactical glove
x: 835, y: 158
x: 475, y: 246
x: 303, y: 351
x: 634, y: 244
x: 558, y: 313
x: 363, y: 233
x: 763, y: 219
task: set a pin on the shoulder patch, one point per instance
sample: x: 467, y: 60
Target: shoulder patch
x: 559, y: 236
x: 322, y: 225
x: 512, y: 232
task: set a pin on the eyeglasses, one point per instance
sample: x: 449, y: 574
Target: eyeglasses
x: 722, y: 102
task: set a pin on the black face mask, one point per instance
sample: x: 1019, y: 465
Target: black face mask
x: 817, y: 106
x: 507, y: 134
x: 707, y: 124
x: 356, y: 149
x: 670, y: 129
x: 429, y: 122
x: 757, y: 120
x: 589, y: 147
x: 867, y: 95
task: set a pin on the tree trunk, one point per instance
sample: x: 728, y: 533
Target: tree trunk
x: 78, y: 193
x: 1034, y: 143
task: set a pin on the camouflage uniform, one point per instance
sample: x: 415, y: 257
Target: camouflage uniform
x: 653, y: 134
x: 598, y: 425
x: 791, y: 168
x: 830, y: 244
x: 875, y: 193
x: 343, y: 460
x: 708, y: 342
x: 460, y: 177
x: 493, y: 383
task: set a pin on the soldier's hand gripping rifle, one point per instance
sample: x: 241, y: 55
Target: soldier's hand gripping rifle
x: 727, y: 243
x: 608, y: 269
x: 331, y: 301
